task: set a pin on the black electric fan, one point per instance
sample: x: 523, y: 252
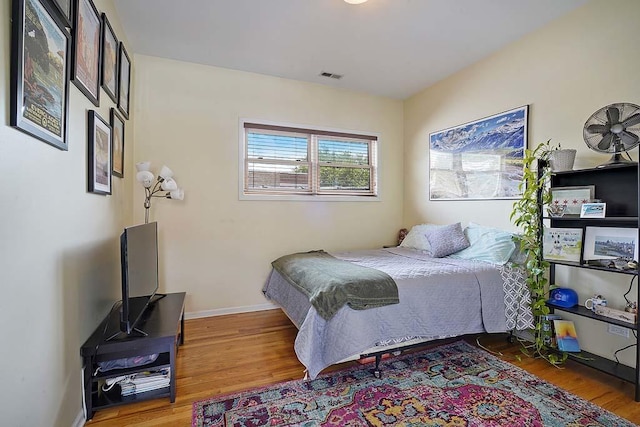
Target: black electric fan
x: 614, y: 129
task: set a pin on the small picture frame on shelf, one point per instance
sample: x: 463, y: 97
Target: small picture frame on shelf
x: 562, y: 244
x: 593, y: 210
x: 572, y: 197
x: 610, y: 243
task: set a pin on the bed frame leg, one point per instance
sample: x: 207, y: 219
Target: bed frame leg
x: 376, y: 371
x: 511, y: 338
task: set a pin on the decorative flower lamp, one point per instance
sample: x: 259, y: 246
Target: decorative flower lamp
x: 163, y: 184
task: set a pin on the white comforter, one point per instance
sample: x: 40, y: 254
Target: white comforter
x: 438, y: 297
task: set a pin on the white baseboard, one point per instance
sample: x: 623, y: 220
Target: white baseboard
x: 79, y: 421
x: 232, y: 310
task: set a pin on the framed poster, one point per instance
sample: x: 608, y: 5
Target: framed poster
x: 117, y: 127
x: 40, y: 48
x: 99, y: 153
x: 482, y: 159
x: 610, y: 243
x: 65, y: 7
x: 109, y: 60
x: 562, y: 244
x: 86, y: 50
x: 124, y: 81
x: 572, y: 197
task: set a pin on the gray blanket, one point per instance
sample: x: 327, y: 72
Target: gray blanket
x: 330, y: 283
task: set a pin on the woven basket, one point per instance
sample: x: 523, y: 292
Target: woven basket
x: 562, y: 160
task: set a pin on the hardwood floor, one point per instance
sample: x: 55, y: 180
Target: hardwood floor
x: 231, y: 353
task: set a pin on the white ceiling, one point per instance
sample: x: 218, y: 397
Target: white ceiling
x: 393, y: 48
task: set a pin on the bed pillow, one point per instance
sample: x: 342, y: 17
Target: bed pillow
x: 417, y: 238
x: 446, y: 239
x: 487, y: 244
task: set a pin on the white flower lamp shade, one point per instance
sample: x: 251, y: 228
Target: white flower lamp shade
x: 165, y: 173
x: 169, y: 184
x: 177, y: 194
x: 143, y: 166
x: 145, y: 177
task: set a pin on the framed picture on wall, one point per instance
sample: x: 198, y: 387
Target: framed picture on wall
x: 482, y: 159
x: 86, y: 50
x: 109, y: 60
x: 117, y: 127
x: 65, y: 7
x: 124, y: 81
x: 39, y: 81
x: 99, y: 153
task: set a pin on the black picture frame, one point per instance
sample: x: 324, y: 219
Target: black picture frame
x: 99, y: 154
x: 124, y: 81
x: 110, y: 55
x: 117, y: 138
x: 65, y: 8
x: 39, y: 72
x: 87, y: 58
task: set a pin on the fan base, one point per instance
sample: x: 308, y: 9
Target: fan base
x: 617, y: 160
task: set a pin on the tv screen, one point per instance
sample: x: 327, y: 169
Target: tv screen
x: 139, y: 257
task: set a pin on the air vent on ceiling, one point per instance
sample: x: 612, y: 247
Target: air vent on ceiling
x: 331, y: 75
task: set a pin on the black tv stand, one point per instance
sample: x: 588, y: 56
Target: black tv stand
x: 135, y: 332
x: 156, y: 297
x: 164, y: 327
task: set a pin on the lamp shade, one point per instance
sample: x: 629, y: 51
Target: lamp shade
x: 177, y: 194
x: 169, y: 184
x: 165, y: 173
x: 145, y: 178
x: 143, y: 166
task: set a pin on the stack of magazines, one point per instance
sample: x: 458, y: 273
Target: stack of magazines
x: 145, y: 381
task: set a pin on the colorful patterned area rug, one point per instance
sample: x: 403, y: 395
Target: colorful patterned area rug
x: 450, y: 385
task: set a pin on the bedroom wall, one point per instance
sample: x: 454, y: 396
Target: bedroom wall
x: 564, y: 72
x: 216, y: 247
x: 59, y: 256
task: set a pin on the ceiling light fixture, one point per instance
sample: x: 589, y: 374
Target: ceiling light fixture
x: 355, y: 1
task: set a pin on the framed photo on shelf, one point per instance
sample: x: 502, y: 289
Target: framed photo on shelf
x: 593, y: 210
x: 39, y: 82
x: 117, y: 127
x: 572, y: 197
x: 562, y: 244
x: 479, y: 160
x: 124, y: 81
x: 100, y: 154
x: 610, y: 243
x: 65, y: 7
x: 109, y: 60
x: 86, y: 50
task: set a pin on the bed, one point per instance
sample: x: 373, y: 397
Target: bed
x: 439, y: 297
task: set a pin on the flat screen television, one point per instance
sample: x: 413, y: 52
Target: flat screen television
x: 139, y: 259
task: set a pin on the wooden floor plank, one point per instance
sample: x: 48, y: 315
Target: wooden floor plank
x: 226, y: 354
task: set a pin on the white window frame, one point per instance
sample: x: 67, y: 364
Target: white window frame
x: 314, y: 193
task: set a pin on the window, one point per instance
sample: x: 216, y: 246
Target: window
x: 282, y: 160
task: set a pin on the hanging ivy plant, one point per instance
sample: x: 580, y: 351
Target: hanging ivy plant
x: 527, y: 214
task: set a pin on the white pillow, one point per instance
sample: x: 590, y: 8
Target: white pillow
x: 487, y: 244
x: 417, y: 237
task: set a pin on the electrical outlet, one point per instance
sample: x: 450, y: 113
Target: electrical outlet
x: 619, y: 330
